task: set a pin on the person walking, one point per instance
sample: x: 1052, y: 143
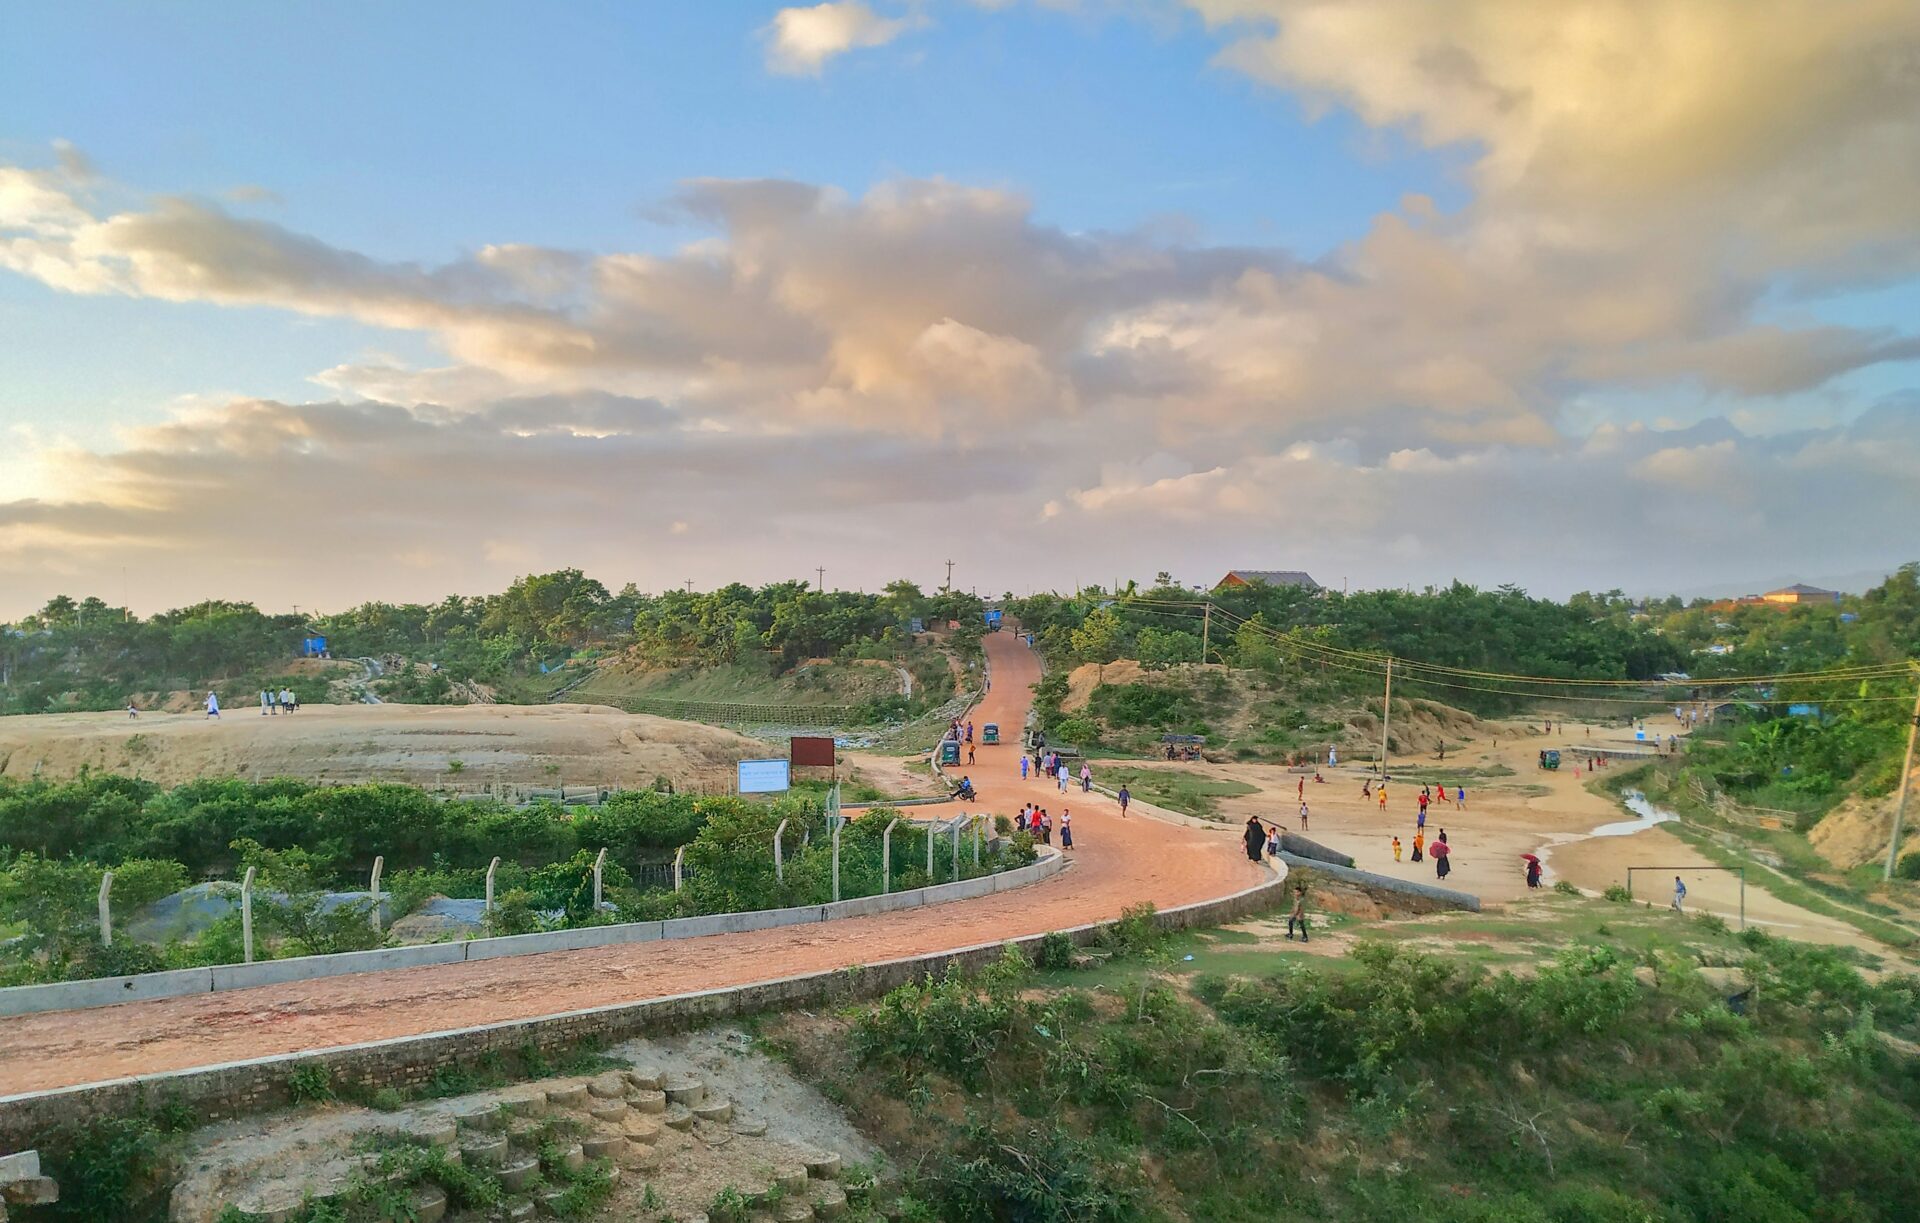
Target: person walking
x: 1303, y: 816
x: 266, y: 702
x: 1303, y: 789
x: 213, y: 705
x: 1126, y: 797
x: 1533, y: 872
x: 1086, y: 778
x: 1299, y: 914
x: 1679, y: 895
x: 969, y: 753
x: 1383, y: 797
x: 133, y: 710
x: 1062, y: 775
x: 1273, y: 841
x: 286, y: 700
x: 1396, y: 849
x: 1066, y: 830
x: 1026, y: 761
x: 1419, y: 845
x: 1255, y: 838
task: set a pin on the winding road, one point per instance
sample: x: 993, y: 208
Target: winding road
x: 1116, y: 862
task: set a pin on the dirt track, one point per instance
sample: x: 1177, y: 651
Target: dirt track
x: 1118, y: 863
x: 460, y: 746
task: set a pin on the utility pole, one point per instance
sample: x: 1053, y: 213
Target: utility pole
x: 1206, y: 630
x: 1906, y: 770
x: 1386, y: 717
x: 820, y: 578
x: 689, y: 585
x: 949, y: 585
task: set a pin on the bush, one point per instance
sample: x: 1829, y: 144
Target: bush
x: 1618, y: 894
x: 1056, y: 951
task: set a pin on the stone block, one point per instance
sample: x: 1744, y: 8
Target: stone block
x: 482, y: 1115
x: 515, y: 1173
x: 641, y: 1129
x: 609, y: 1111
x: 715, y: 1109
x: 429, y: 1204
x: 485, y: 1150
x: 567, y: 1095
x: 823, y: 1165
x: 749, y: 1127
x: 646, y: 1078
x: 829, y: 1200
x: 608, y: 1086
x: 679, y: 1116
x: 684, y: 1089
x: 647, y: 1101
x: 790, y: 1178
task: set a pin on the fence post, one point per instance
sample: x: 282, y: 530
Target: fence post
x: 958, y: 820
x: 779, y: 862
x: 373, y: 889
x: 106, y: 914
x: 678, y: 856
x: 886, y: 858
x: 246, y: 917
x: 487, y: 906
x: 976, y: 838
x: 930, y: 840
x: 599, y: 865
x: 836, y: 861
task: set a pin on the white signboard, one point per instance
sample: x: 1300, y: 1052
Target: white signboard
x: 763, y: 776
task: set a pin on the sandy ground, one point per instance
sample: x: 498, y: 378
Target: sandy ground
x: 540, y: 745
x: 1505, y: 817
x: 1118, y: 862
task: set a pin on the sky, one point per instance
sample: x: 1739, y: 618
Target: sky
x: 311, y: 304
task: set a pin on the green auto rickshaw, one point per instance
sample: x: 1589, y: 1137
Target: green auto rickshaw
x: 990, y: 733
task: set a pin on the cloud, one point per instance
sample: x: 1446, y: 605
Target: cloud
x: 800, y: 41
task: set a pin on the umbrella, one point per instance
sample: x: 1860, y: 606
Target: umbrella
x: 1439, y: 849
x: 1530, y: 857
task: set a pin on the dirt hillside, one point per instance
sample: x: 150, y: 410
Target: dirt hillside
x: 527, y: 744
x: 1857, y: 830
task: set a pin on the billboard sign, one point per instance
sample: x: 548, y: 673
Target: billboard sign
x: 993, y: 617
x: 764, y: 776
x: 810, y: 750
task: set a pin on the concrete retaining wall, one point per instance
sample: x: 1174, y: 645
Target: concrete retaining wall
x: 107, y: 991
x: 1438, y: 897
x: 1301, y: 847
x: 240, y: 1088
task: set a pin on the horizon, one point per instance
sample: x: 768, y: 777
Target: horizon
x: 319, y: 308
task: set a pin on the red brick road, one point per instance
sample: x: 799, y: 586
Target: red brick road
x: 1117, y: 863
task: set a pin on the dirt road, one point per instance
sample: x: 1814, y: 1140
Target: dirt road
x: 1116, y: 863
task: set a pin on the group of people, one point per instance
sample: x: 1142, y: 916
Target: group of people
x: 1036, y: 822
x: 1442, y: 858
x: 1054, y: 765
x: 275, y: 701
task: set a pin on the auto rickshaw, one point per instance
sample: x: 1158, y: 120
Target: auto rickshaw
x: 1550, y: 759
x: 949, y: 751
x: 990, y: 733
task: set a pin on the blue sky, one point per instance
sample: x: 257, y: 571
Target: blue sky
x: 1217, y: 264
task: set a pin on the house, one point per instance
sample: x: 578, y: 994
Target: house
x: 1798, y: 593
x: 1270, y: 577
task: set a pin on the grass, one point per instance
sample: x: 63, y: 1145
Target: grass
x: 827, y: 684
x: 1176, y: 789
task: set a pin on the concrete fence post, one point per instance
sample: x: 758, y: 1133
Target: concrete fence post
x: 106, y: 913
x: 886, y: 858
x: 930, y: 838
x: 373, y: 889
x: 599, y: 868
x: 836, y: 860
x: 246, y: 917
x: 976, y: 838
x: 486, y: 906
x: 679, y: 857
x: 779, y: 861
x: 958, y: 821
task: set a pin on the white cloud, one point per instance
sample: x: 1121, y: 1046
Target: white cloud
x: 800, y: 41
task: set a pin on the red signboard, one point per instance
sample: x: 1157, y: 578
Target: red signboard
x: 811, y: 749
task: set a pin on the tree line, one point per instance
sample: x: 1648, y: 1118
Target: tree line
x: 87, y: 654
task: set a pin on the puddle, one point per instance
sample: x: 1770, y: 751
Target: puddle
x: 1648, y: 815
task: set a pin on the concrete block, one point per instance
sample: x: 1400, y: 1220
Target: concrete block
x: 561, y: 940
x: 684, y: 1089
x: 104, y: 991
x: 823, y: 1165
x: 19, y: 1167
x: 311, y: 967
x: 651, y: 1103
x: 567, y: 1095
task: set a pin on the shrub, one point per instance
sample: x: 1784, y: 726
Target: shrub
x: 310, y: 1084
x: 1056, y: 951
x: 1618, y: 894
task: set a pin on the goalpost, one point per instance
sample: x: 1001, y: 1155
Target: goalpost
x: 1681, y: 870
